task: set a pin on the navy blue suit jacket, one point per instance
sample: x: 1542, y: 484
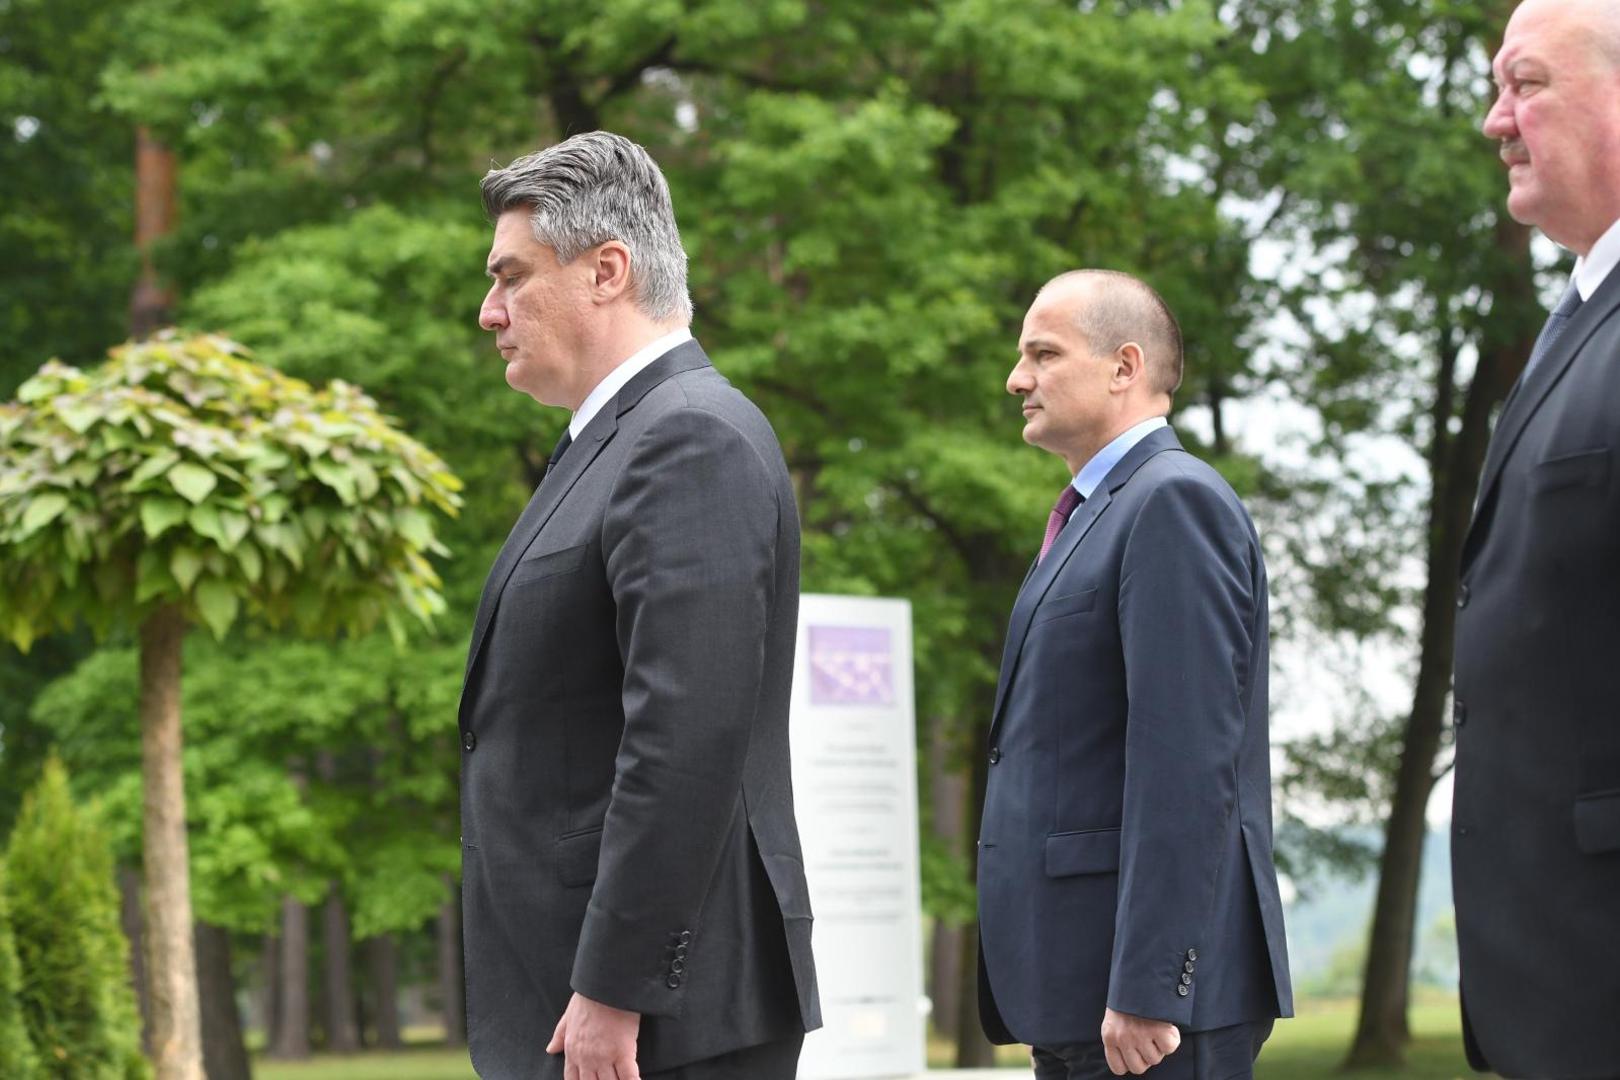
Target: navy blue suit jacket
x: 1125, y: 852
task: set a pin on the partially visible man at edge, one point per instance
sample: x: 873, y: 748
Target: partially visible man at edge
x: 1128, y: 907
x: 634, y: 901
x: 1536, y: 807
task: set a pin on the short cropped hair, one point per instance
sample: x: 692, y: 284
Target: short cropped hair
x: 1123, y: 308
x: 596, y: 187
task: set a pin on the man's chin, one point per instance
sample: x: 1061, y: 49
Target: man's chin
x: 1521, y: 205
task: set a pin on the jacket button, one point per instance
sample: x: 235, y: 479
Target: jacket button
x: 1459, y: 713
x: 673, y: 982
x: 1186, y: 979
x: 1188, y: 967
x: 1462, y: 595
x: 677, y: 966
x: 1181, y: 989
x: 468, y: 741
x: 995, y: 755
x: 680, y: 952
x: 1192, y: 954
x: 686, y: 936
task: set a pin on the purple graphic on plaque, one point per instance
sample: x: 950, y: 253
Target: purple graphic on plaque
x: 851, y: 665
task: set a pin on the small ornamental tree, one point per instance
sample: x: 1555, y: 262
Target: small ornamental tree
x: 179, y: 483
x: 17, y: 1058
x: 75, y: 994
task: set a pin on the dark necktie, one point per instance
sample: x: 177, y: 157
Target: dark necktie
x: 561, y: 449
x: 1060, y: 517
x: 1556, y: 322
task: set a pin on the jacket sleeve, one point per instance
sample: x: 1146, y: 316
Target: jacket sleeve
x: 689, y: 540
x: 1187, y: 610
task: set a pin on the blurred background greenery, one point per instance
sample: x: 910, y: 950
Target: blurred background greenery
x: 871, y: 192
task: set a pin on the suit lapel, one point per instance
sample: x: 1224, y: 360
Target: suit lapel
x: 559, y: 480
x: 1527, y: 398
x: 1040, y: 578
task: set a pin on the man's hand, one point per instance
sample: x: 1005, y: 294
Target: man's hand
x: 1133, y: 1044
x: 597, y: 1042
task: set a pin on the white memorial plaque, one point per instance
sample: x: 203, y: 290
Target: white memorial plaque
x: 855, y: 791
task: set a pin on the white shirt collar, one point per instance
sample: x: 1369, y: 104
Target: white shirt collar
x: 1593, y: 268
x: 614, y: 381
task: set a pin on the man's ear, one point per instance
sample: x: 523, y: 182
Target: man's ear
x: 1130, y: 366
x: 610, y: 271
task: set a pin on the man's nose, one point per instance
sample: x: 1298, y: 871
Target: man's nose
x: 491, y: 314
x: 1018, y: 381
x: 1498, y: 122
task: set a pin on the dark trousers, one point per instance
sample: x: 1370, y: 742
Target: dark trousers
x: 768, y: 1061
x: 1223, y: 1054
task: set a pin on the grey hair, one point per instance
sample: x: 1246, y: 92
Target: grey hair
x: 596, y: 187
x: 1123, y: 309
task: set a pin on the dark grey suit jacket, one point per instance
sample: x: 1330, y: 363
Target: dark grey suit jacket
x: 1125, y: 854
x: 1536, y: 810
x: 626, y: 805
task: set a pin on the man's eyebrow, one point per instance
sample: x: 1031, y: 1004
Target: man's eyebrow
x: 499, y: 264
x: 1031, y: 344
x: 1511, y: 69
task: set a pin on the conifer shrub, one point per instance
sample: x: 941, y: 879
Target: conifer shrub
x: 17, y: 1058
x: 75, y: 995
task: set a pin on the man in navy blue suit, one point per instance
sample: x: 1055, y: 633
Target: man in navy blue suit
x: 1128, y: 907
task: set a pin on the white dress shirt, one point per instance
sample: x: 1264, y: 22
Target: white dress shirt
x: 614, y: 381
x: 1592, y: 268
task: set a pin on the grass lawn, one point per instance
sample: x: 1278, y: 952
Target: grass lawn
x: 1308, y: 1047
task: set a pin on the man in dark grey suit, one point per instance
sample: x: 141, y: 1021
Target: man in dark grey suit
x: 1128, y: 908
x: 1536, y: 807
x: 633, y: 888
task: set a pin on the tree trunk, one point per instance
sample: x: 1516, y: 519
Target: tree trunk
x: 947, y: 799
x: 452, y: 987
x: 292, y: 984
x: 129, y: 916
x: 382, y: 953
x: 156, y: 176
x: 171, y: 963
x: 973, y: 1050
x: 1382, y: 1032
x: 225, y: 1055
x: 342, y: 1032
x: 269, y: 1004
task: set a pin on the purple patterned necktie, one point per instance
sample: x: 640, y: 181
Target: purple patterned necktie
x: 1060, y: 517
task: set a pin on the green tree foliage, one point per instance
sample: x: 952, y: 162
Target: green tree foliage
x: 75, y: 995
x: 260, y: 827
x: 66, y: 168
x: 179, y: 473
x: 1414, y: 298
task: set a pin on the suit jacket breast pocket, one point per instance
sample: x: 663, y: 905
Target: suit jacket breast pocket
x: 548, y: 564
x: 1584, y: 469
x: 1061, y: 607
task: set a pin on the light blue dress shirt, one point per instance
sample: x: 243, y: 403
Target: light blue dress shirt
x: 1097, y: 469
